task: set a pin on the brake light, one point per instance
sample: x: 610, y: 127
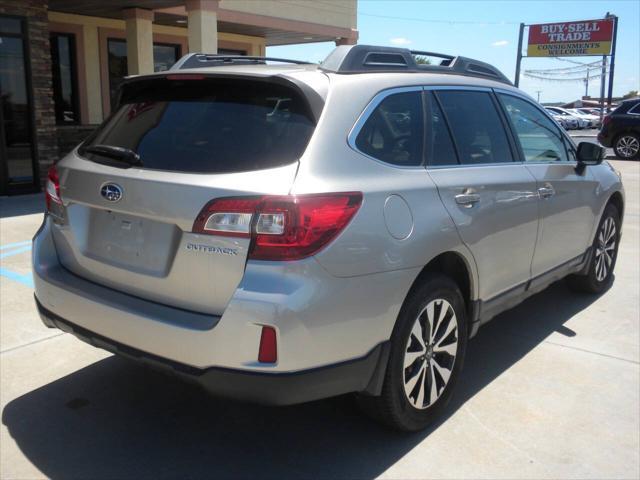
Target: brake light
x: 185, y: 76
x: 606, y: 120
x: 52, y: 188
x: 289, y: 227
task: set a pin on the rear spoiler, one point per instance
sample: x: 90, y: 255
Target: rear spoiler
x: 131, y: 85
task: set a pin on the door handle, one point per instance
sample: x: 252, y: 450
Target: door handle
x: 468, y: 198
x: 547, y: 191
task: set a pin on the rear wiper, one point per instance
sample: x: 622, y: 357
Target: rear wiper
x: 122, y: 154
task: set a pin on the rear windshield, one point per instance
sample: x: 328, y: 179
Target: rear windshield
x: 209, y: 126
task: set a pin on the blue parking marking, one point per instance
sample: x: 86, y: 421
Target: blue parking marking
x: 15, y: 249
x: 15, y: 252
x: 15, y: 244
x: 24, y: 279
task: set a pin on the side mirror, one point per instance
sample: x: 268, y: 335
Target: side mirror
x: 590, y: 153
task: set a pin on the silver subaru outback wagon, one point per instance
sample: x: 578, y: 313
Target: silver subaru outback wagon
x: 285, y: 232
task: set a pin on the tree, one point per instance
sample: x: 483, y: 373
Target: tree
x: 421, y: 60
x: 631, y: 94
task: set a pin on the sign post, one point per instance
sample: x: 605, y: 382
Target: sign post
x: 519, y: 60
x: 614, y: 19
x: 603, y: 77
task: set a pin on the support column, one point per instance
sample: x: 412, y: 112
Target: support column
x: 350, y: 40
x: 203, y: 25
x: 345, y: 41
x: 92, y: 72
x: 139, y: 40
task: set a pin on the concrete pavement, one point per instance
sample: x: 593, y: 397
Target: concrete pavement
x: 551, y: 389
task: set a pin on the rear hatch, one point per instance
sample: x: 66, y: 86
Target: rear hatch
x: 128, y: 217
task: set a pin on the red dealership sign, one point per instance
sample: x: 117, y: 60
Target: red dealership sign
x: 570, y: 39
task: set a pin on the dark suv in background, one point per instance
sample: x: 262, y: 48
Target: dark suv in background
x: 621, y: 130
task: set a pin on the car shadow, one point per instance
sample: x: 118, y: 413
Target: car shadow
x: 21, y: 205
x: 114, y: 419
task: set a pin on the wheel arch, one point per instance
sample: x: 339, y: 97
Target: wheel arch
x: 617, y: 201
x: 456, y: 266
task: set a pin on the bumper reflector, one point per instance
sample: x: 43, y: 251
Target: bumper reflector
x: 268, y: 352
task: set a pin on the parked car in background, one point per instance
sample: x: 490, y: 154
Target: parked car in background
x: 560, y: 120
x: 621, y: 130
x: 286, y: 233
x: 590, y: 111
x: 593, y: 121
x: 568, y: 122
x: 573, y: 119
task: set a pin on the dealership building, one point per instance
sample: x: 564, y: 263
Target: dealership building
x: 61, y: 61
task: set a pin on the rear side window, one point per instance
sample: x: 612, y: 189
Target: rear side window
x: 209, y: 126
x: 476, y: 126
x: 393, y: 133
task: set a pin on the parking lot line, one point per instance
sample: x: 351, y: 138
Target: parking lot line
x: 15, y: 244
x: 17, y: 277
x: 19, y: 247
x: 15, y: 252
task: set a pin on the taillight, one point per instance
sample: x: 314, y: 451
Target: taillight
x: 229, y: 216
x: 294, y: 227
x: 52, y: 188
x: 289, y: 227
x: 606, y: 120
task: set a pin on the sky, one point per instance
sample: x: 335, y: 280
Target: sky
x: 488, y: 31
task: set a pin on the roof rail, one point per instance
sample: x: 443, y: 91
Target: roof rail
x: 348, y: 59
x: 200, y: 60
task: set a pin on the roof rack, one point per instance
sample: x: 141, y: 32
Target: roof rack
x: 200, y: 60
x: 348, y: 59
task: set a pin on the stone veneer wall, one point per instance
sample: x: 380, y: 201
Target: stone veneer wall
x: 35, y: 12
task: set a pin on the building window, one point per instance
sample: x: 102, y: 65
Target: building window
x: 164, y: 56
x: 228, y: 51
x: 117, y: 58
x: 65, y: 74
x: 17, y: 148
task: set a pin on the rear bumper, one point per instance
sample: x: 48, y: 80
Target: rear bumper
x: 323, y: 323
x: 363, y: 374
x: 605, y: 138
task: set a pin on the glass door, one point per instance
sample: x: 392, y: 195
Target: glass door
x: 16, y: 134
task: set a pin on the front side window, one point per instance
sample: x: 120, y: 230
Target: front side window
x: 476, y: 126
x: 393, y: 133
x: 540, y: 139
x: 65, y: 92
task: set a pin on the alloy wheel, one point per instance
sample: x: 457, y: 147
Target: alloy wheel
x: 430, y: 354
x: 627, y: 146
x: 605, y: 249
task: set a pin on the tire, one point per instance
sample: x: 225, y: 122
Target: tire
x: 604, y: 253
x: 400, y: 406
x: 627, y: 146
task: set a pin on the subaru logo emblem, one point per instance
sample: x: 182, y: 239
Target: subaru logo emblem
x: 111, y: 192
